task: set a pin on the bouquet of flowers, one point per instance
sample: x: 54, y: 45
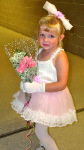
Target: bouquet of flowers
x: 22, y: 54
x: 24, y: 65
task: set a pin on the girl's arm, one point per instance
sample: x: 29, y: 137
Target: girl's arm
x: 62, y: 67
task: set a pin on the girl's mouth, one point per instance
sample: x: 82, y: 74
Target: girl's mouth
x: 46, y: 45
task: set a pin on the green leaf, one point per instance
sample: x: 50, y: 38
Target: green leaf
x: 25, y: 55
x: 17, y: 50
x: 27, y: 126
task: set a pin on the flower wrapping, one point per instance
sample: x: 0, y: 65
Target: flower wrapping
x: 22, y: 54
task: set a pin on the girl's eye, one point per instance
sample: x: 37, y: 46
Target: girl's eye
x: 41, y: 34
x: 51, y: 36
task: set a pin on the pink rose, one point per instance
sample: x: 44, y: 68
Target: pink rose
x: 22, y: 68
x: 25, y: 63
x: 59, y: 14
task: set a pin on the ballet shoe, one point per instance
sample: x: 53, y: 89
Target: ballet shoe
x: 40, y: 148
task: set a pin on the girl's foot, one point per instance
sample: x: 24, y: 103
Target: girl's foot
x: 40, y: 148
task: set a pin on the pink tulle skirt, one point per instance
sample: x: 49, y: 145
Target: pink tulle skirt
x: 51, y: 108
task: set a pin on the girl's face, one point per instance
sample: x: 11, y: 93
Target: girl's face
x: 48, y: 40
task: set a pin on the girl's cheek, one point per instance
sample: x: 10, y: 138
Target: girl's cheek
x: 40, y: 40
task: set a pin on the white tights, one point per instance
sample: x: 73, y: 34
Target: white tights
x: 45, y: 139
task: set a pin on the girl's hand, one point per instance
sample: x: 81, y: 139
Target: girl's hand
x: 32, y: 87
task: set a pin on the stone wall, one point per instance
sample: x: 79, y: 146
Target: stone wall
x: 23, y: 15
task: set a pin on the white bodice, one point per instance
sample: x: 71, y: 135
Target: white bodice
x: 46, y: 69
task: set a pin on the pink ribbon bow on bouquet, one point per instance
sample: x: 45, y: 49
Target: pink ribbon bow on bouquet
x: 39, y: 79
x: 53, y: 10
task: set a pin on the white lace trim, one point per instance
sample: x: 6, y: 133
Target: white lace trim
x: 16, y: 94
x: 49, y: 120
x: 17, y: 106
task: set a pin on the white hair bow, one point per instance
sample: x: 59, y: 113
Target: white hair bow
x: 53, y: 10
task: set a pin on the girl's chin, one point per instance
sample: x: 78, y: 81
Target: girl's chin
x: 45, y: 47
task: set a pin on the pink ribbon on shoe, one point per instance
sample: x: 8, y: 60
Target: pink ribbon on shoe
x: 38, y: 80
x: 27, y: 136
x: 25, y: 105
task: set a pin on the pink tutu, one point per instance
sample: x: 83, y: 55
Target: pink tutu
x: 20, y: 101
x: 51, y: 108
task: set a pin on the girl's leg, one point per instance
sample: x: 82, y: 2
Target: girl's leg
x: 45, y: 139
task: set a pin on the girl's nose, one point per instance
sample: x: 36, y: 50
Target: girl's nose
x: 46, y: 39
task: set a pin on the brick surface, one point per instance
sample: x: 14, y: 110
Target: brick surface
x: 23, y: 16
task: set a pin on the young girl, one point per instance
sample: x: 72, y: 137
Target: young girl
x: 51, y: 104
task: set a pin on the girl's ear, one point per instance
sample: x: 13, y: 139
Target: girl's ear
x: 62, y: 36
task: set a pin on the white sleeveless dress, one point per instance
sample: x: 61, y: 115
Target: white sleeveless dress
x: 50, y: 108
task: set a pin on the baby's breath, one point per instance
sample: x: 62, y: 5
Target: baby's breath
x: 29, y: 73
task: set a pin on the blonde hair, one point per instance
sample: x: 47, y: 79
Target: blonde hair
x: 52, y: 23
